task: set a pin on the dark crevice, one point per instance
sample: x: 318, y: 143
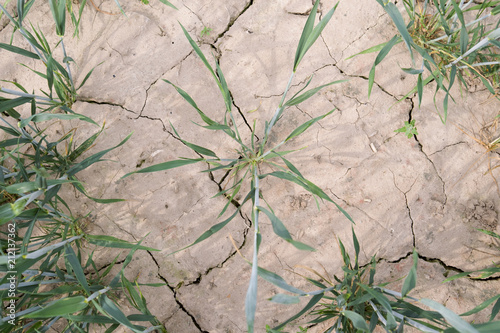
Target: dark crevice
x: 90, y: 101
x: 420, y: 147
x: 448, y: 146
x: 407, y: 206
x: 174, y: 291
x: 221, y: 264
x: 234, y: 202
x: 447, y: 267
x: 232, y: 21
x: 244, y: 118
x: 155, y: 119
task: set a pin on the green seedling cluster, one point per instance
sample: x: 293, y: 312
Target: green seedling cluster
x: 48, y: 279
x: 457, y: 41
x: 245, y: 166
x: 354, y: 303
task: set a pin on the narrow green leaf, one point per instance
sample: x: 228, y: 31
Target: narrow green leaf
x: 357, y: 320
x: 452, y: 318
x: 199, y: 53
x: 398, y: 20
x: 110, y: 241
x: 76, y: 267
x: 115, y: 313
x: 168, y: 3
x: 495, y: 310
x: 464, y: 39
x: 299, y: 130
x: 120, y: 7
x: 278, y: 281
x: 309, y: 186
x: 481, y: 306
x: 223, y: 87
x: 196, y: 148
x: 87, y: 76
x: 59, y: 307
x: 290, y: 166
x: 306, y: 32
x: 7, y: 104
x: 188, y: 99
x: 420, y: 89
x: 210, y: 232
x: 309, y: 93
x: 280, y: 230
x: 93, y: 159
x: 166, y: 166
x: 372, y: 49
x: 411, y: 280
x: 412, y: 71
x: 314, y: 34
x: 314, y: 300
x: 284, y: 299
x: 19, y: 51
x: 371, y: 80
x: 39, y: 117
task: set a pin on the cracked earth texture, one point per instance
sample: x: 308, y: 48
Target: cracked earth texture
x: 428, y: 192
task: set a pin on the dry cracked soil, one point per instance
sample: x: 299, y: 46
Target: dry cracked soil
x: 430, y: 192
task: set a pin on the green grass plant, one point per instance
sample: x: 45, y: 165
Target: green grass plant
x: 48, y: 279
x: 354, y: 303
x: 457, y: 41
x: 245, y: 166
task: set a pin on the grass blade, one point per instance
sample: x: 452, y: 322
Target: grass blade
x: 380, y: 56
x: 299, y: 130
x: 309, y: 35
x: 59, y: 307
x: 196, y: 148
x: 314, y: 300
x: 19, y: 51
x: 280, y: 230
x: 411, y: 280
x: 309, y: 93
x: 210, y: 232
x: 168, y: 4
x: 113, y: 242
x: 8, y: 104
x: 398, y: 20
x: 93, y: 159
x: 166, y: 166
x: 75, y: 265
x: 452, y: 318
x: 40, y: 117
x: 357, y: 320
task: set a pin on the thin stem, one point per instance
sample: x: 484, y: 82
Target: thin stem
x: 22, y: 94
x: 67, y: 64
x: 279, y: 110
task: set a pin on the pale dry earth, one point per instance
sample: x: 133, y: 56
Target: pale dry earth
x: 430, y: 192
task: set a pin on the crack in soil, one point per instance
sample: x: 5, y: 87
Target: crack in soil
x: 90, y: 101
x: 364, y: 33
x: 236, y: 204
x: 448, y: 146
x: 232, y: 21
x: 407, y: 205
x: 174, y: 291
x: 421, y: 148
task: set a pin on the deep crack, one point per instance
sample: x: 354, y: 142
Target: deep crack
x: 232, y: 21
x: 174, y: 291
x: 90, y: 101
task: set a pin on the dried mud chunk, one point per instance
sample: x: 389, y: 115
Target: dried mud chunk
x: 482, y: 214
x: 300, y: 201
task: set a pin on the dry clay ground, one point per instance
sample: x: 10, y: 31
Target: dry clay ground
x: 428, y: 192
